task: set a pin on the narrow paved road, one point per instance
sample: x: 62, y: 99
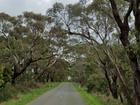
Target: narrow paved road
x: 64, y: 94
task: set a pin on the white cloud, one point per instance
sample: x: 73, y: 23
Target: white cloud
x: 16, y: 7
x: 46, y: 1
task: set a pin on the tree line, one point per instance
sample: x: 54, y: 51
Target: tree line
x: 97, y: 44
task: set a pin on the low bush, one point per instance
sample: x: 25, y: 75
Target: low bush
x: 11, y: 92
x: 8, y: 92
x: 24, y: 98
x: 97, y: 99
x: 107, y: 100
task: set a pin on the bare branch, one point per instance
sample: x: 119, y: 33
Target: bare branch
x: 83, y: 35
x: 128, y: 12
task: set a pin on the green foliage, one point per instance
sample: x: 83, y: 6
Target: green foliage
x: 97, y: 83
x: 108, y: 100
x: 74, y: 10
x: 96, y: 99
x: 5, y: 75
x: 7, y: 93
x: 21, y: 95
x: 91, y: 100
x: 1, y: 75
x: 31, y: 42
x: 57, y: 7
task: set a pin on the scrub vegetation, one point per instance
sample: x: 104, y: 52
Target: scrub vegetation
x: 24, y: 95
x: 96, y: 99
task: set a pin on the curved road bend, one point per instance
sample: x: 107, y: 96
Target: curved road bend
x: 64, y: 94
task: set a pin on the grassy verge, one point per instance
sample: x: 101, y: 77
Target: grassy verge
x: 91, y: 100
x: 24, y: 98
x: 96, y: 99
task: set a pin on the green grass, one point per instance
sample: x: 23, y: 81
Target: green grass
x: 25, y: 98
x: 97, y: 99
x: 90, y: 99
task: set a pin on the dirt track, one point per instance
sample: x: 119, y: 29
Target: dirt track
x: 64, y: 94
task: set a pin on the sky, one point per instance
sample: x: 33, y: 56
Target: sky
x: 17, y: 7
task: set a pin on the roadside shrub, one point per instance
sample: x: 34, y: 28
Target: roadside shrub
x: 97, y: 83
x: 108, y: 100
x: 11, y: 92
x: 8, y: 92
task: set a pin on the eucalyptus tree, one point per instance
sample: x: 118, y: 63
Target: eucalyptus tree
x: 121, y: 16
x: 96, y: 24
x: 133, y: 53
x: 78, y: 20
x: 25, y: 41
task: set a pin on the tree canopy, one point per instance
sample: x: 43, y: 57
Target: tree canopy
x: 97, y: 44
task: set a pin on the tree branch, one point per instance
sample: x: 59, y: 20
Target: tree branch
x: 128, y: 12
x: 116, y: 13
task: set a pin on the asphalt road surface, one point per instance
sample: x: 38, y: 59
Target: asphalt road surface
x: 64, y: 94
